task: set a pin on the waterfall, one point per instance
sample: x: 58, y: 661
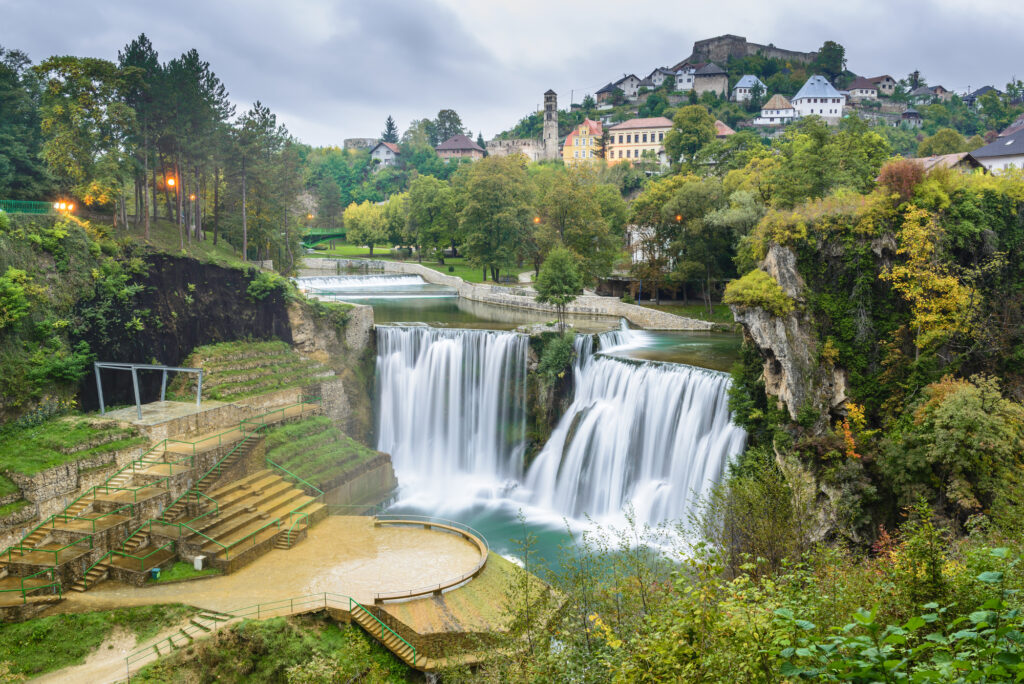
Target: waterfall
x: 452, y: 406
x: 654, y: 435
x: 452, y: 414
x: 349, y: 282
x: 622, y: 339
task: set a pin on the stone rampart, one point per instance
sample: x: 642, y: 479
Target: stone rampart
x: 520, y: 298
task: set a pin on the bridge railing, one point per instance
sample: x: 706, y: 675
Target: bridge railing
x: 26, y: 207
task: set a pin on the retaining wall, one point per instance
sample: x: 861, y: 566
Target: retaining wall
x: 516, y: 297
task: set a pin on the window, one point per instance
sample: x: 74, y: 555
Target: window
x: 661, y: 136
x: 620, y: 154
x: 620, y: 139
x: 629, y: 138
x: 645, y: 137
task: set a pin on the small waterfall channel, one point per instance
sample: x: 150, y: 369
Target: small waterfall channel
x: 452, y: 413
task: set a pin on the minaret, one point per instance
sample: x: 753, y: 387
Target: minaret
x: 550, y: 125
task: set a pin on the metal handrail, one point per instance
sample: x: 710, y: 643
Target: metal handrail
x: 55, y: 582
x: 65, y: 516
x: 319, y: 492
x: 353, y: 602
x: 479, y: 538
x: 85, y: 576
x: 56, y: 552
x: 142, y: 559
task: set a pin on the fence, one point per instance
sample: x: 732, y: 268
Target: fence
x: 24, y: 207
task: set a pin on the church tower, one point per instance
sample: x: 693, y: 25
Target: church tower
x: 550, y: 125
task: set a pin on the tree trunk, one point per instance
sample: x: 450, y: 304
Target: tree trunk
x: 182, y: 228
x: 216, y: 203
x: 245, y: 224
x: 196, y: 218
x: 485, y: 274
x: 145, y: 190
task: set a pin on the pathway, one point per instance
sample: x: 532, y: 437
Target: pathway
x: 343, y: 555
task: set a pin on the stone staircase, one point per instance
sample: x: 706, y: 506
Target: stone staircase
x: 392, y: 642
x: 97, y: 574
x: 202, y: 624
x: 289, y: 537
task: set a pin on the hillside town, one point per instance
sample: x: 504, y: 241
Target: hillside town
x: 750, y: 87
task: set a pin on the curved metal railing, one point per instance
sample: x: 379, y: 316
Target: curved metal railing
x: 470, y: 534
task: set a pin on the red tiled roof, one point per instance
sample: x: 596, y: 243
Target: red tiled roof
x: 391, y: 146
x: 721, y: 130
x: 653, y: 122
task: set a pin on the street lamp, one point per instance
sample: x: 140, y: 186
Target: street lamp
x: 171, y: 182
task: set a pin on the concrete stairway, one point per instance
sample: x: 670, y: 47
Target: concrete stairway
x: 97, y: 574
x: 393, y: 643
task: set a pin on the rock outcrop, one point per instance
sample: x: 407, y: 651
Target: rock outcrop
x: 794, y: 371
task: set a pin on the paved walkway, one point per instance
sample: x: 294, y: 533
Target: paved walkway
x: 343, y: 554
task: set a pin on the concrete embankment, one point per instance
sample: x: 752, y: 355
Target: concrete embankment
x: 518, y: 297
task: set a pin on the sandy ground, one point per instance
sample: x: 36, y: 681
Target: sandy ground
x: 342, y: 555
x: 104, y: 665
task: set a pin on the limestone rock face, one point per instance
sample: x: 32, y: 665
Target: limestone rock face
x: 793, y: 370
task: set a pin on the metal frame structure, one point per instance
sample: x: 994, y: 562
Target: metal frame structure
x: 135, y: 368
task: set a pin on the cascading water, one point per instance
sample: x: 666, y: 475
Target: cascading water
x: 349, y: 282
x: 452, y: 414
x: 653, y: 435
x: 452, y: 408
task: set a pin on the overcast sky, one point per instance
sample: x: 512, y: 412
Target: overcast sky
x: 336, y: 69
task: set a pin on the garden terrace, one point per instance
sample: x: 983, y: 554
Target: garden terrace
x: 30, y: 449
x: 316, y: 451
x: 233, y: 370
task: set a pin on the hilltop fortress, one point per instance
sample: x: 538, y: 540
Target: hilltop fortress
x: 720, y: 48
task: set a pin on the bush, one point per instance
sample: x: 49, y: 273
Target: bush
x: 627, y: 299
x: 901, y: 176
x: 758, y: 289
x: 266, y: 283
x: 556, y: 358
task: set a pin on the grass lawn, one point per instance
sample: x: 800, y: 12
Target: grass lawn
x: 13, y: 507
x: 471, y: 274
x: 51, y: 643
x: 183, y: 571
x: 163, y: 237
x: 33, y: 448
x: 722, y: 313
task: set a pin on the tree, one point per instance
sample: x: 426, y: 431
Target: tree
x: 558, y: 282
x: 589, y: 104
x: 831, y: 60
x: 86, y: 126
x: 390, y: 133
x: 328, y: 205
x: 447, y: 124
x: 22, y: 172
x: 693, y: 127
x: 365, y: 224
x: 481, y: 143
x: 945, y: 141
x: 139, y: 54
x: 569, y: 207
x: 496, y: 213
x: 431, y: 220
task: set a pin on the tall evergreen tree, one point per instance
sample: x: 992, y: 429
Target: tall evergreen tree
x: 390, y: 134
x: 22, y: 173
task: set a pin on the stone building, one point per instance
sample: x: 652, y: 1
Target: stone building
x: 711, y: 78
x: 550, y: 135
x: 544, y: 149
x: 721, y: 48
x: 459, y: 146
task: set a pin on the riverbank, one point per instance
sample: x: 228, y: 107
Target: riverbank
x: 516, y: 297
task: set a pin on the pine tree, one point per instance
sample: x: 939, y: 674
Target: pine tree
x: 390, y: 134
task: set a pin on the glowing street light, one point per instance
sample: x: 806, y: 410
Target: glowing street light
x: 536, y: 219
x: 192, y: 197
x: 171, y: 182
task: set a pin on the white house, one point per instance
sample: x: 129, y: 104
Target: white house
x: 658, y: 76
x: 629, y: 85
x: 385, y: 153
x: 818, y: 97
x: 863, y: 89
x: 743, y: 90
x: 776, y: 112
x: 1002, y: 154
x: 684, y: 77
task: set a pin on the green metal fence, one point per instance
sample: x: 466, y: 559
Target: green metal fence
x: 24, y: 207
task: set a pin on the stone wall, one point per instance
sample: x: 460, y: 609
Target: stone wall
x: 370, y: 484
x: 520, y: 298
x: 720, y: 48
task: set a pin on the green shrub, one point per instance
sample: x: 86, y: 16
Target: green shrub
x: 266, y: 283
x: 556, y: 359
x: 13, y: 299
x: 758, y: 289
x: 628, y: 299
